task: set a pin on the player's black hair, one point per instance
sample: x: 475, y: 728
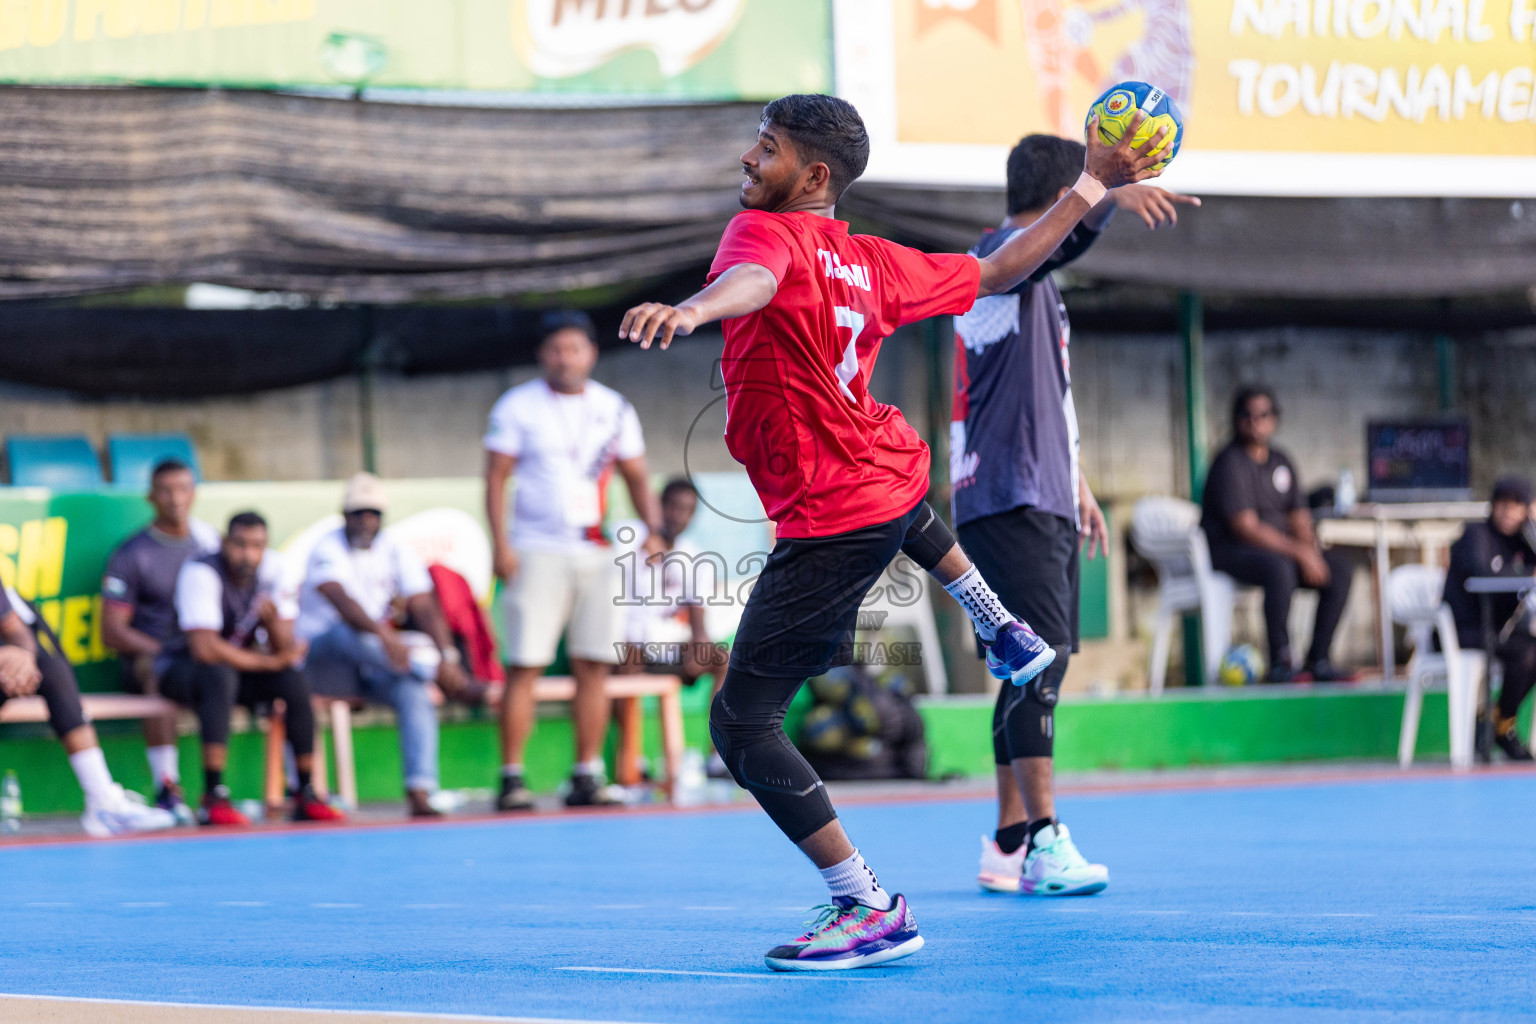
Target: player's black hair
x: 171, y: 465
x: 1246, y: 394
x: 557, y: 320
x: 825, y: 129
x: 1039, y: 167
x: 246, y: 521
x: 676, y: 485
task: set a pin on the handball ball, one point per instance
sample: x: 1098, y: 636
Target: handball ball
x: 1117, y: 109
x: 1242, y: 666
x: 824, y: 730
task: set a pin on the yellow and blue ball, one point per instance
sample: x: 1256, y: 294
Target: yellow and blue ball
x: 1243, y: 666
x: 1117, y: 108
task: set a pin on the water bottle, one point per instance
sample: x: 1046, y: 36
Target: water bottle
x: 1344, y: 495
x: 688, y: 790
x: 10, y: 802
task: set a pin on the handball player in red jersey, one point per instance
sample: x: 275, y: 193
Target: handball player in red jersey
x: 805, y: 306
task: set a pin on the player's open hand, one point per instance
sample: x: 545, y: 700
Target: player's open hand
x: 1156, y: 206
x: 653, y: 321
x: 1122, y: 163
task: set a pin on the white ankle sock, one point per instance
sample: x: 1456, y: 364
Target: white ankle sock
x: 854, y: 878
x: 164, y: 764
x: 987, y: 613
x: 91, y: 769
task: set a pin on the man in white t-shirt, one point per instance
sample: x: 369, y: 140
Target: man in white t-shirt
x: 563, y: 435
x: 236, y: 645
x: 353, y: 579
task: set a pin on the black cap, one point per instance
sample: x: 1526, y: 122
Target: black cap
x: 1512, y: 488
x: 565, y: 319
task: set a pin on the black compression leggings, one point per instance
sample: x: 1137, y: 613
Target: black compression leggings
x: 746, y: 721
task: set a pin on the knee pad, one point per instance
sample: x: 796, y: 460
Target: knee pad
x: 928, y: 540
x: 1046, y: 686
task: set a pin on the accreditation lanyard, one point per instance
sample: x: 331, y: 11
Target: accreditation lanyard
x: 579, y: 497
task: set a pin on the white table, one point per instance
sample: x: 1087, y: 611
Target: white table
x: 1430, y: 527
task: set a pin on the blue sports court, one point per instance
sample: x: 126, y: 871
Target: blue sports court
x: 1343, y: 898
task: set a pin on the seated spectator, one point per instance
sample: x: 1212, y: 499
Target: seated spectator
x: 139, y: 610
x: 30, y: 663
x: 236, y: 644
x: 665, y: 630
x: 353, y: 577
x: 1504, y: 545
x: 1260, y: 533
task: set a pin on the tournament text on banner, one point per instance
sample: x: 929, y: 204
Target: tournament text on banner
x: 1280, y: 97
x: 682, y: 49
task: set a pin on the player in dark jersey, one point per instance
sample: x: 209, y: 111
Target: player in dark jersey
x: 1022, y: 507
x: 805, y: 306
x: 31, y: 663
x: 139, y: 614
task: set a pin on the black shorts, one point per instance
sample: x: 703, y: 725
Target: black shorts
x: 801, y: 615
x: 1030, y: 558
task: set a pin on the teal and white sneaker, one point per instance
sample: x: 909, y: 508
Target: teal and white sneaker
x: 1053, y: 867
x: 847, y: 934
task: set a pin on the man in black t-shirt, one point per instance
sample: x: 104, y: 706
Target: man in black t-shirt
x: 1260, y: 532
x: 1504, y: 545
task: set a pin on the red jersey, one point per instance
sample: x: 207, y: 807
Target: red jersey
x: 824, y: 456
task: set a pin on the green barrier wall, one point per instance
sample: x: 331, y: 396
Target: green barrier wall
x: 1102, y: 735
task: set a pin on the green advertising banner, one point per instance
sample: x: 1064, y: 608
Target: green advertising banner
x: 681, y: 49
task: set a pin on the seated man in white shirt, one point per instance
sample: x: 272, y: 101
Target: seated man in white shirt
x: 236, y: 644
x: 563, y: 435
x: 354, y: 576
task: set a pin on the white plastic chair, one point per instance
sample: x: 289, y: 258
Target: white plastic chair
x: 1415, y: 597
x: 1167, y: 533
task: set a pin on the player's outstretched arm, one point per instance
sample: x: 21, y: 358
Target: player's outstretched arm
x: 744, y: 288
x: 1107, y: 166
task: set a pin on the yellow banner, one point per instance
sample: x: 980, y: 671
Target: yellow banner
x: 1451, y: 79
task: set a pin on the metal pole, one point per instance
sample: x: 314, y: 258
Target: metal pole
x: 367, y: 369
x: 1192, y: 332
x: 1445, y: 364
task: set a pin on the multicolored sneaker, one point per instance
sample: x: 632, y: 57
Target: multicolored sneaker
x: 999, y: 871
x: 847, y: 934
x: 1018, y: 654
x: 170, y: 798
x: 1053, y: 867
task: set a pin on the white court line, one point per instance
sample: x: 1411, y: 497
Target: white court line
x: 46, y: 904
x: 430, y: 906
x: 242, y: 903
x: 619, y: 906
x: 1159, y: 912
x: 740, y: 976
x: 145, y: 903
x: 1342, y: 915
x: 708, y: 907
x: 230, y: 1007
x: 336, y: 906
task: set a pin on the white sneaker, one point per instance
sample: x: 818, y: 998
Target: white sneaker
x: 999, y: 871
x: 122, y: 813
x: 1053, y: 867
